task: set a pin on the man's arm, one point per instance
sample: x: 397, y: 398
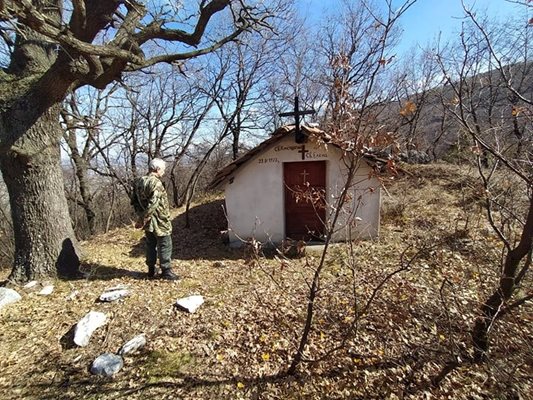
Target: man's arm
x: 154, y: 190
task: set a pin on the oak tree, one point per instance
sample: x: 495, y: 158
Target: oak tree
x: 51, y: 48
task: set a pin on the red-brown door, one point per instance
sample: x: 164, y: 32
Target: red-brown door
x: 305, y: 186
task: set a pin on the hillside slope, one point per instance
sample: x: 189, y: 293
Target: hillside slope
x: 245, y: 333
x: 431, y: 126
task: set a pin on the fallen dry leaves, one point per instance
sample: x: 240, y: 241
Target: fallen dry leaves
x: 238, y: 344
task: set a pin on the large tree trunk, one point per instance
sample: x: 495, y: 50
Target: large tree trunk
x: 32, y: 87
x: 44, y: 239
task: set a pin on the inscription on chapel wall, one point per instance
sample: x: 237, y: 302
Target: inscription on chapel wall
x: 305, y: 154
x: 313, y: 154
x: 290, y: 148
x: 267, y: 160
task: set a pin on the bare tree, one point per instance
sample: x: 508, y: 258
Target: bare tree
x: 244, y: 97
x: 297, y: 73
x: 82, y: 129
x: 356, y: 56
x: 415, y: 83
x: 163, y: 104
x: 239, y: 72
x: 490, y: 78
x: 53, y: 47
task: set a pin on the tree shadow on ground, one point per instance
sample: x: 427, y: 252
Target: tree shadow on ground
x: 214, y: 385
x: 102, y: 386
x: 97, y: 272
x: 202, y: 239
x: 91, y: 272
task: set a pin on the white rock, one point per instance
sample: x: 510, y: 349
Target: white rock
x: 118, y: 287
x: 114, y: 295
x: 134, y: 344
x: 190, y: 303
x: 72, y: 295
x: 30, y: 284
x: 8, y: 296
x: 86, y: 326
x: 107, y: 364
x: 47, y: 290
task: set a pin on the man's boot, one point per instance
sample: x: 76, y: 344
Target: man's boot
x: 169, y: 275
x: 152, y: 272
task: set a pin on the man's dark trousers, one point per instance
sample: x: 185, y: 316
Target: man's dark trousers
x: 161, y: 245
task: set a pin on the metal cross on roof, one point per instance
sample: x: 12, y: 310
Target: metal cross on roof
x: 299, y: 137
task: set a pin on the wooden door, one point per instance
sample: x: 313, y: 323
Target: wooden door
x: 305, y: 187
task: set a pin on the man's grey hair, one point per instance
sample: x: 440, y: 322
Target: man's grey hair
x: 156, y: 164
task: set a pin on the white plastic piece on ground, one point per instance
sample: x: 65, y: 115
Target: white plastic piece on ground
x: 72, y: 295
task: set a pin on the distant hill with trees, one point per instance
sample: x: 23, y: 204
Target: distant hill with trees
x: 430, y: 120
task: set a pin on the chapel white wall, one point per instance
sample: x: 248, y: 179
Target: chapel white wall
x: 255, y: 198
x: 360, y: 216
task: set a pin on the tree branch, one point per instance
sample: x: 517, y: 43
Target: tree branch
x: 501, y: 69
x: 171, y: 58
x: 78, y: 20
x: 155, y: 30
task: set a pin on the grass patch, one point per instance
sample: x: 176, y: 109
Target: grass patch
x: 165, y: 364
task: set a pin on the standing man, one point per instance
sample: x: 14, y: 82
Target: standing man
x: 151, y: 205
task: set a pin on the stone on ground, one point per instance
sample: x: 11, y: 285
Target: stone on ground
x: 30, y: 284
x: 47, y: 290
x: 134, y: 344
x: 86, y: 326
x: 72, y: 295
x: 191, y: 303
x: 107, y: 364
x: 8, y: 296
x: 112, y: 295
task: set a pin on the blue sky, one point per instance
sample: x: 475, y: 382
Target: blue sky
x: 426, y: 18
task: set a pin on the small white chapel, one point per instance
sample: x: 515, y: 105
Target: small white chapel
x: 282, y: 189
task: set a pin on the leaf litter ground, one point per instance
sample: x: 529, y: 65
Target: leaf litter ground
x: 241, y: 341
